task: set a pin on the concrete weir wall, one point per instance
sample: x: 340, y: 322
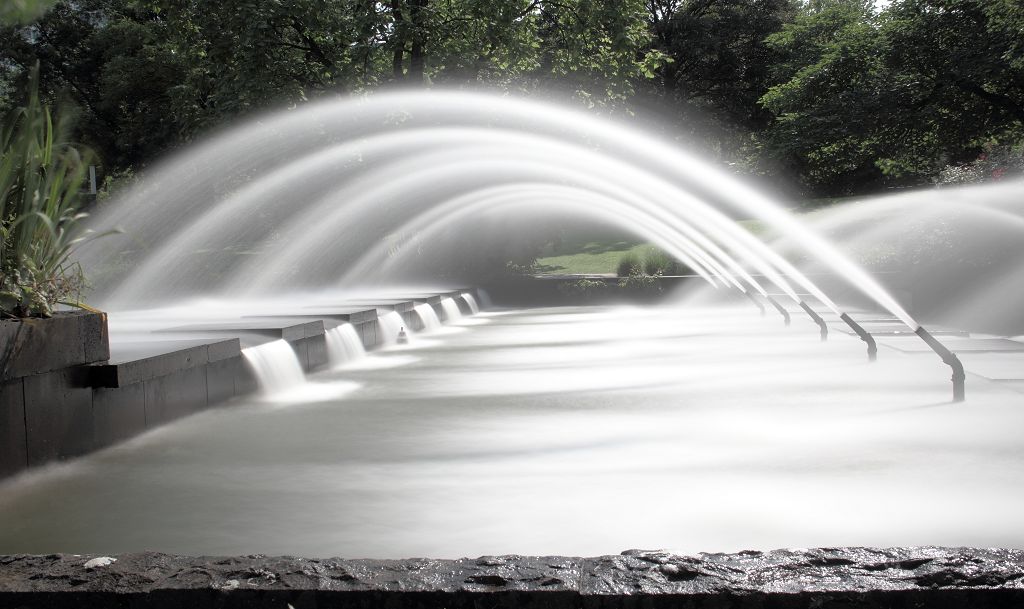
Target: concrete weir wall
x: 65, y: 391
x: 833, y: 578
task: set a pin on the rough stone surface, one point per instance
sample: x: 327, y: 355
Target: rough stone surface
x: 36, y: 346
x: 13, y: 439
x: 220, y: 379
x: 58, y: 416
x: 847, y: 578
x: 118, y: 414
x: 175, y: 395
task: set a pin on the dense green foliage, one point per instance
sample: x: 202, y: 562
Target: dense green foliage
x: 867, y: 98
x: 40, y: 178
x: 835, y: 95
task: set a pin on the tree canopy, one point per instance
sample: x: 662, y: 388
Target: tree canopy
x: 834, y: 94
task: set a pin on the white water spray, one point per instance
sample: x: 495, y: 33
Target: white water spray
x: 451, y: 309
x: 275, y: 366
x: 388, y: 327
x: 471, y: 303
x: 427, y: 316
x: 344, y: 345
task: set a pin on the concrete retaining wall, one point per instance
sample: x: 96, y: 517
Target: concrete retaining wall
x: 836, y: 578
x: 62, y: 396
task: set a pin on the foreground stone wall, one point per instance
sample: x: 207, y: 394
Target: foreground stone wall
x: 940, y: 578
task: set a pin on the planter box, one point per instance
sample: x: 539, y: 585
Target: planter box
x: 35, y: 346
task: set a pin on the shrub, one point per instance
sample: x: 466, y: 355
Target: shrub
x: 630, y: 264
x: 640, y: 284
x: 585, y: 289
x: 657, y: 262
x: 41, y: 175
x: 993, y: 164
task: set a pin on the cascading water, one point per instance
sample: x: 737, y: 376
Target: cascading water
x: 359, y: 176
x: 388, y: 327
x: 428, y: 317
x: 471, y: 303
x: 344, y: 345
x: 451, y: 309
x: 275, y: 366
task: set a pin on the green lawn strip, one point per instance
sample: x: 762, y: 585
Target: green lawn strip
x: 591, y: 258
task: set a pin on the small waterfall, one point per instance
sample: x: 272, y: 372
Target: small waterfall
x: 344, y: 345
x: 451, y: 309
x: 427, y: 316
x: 275, y: 365
x: 389, y: 325
x: 471, y: 303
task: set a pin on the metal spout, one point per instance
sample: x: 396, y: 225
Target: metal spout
x: 822, y: 326
x: 864, y: 336
x: 949, y: 359
x: 781, y: 309
x: 757, y: 302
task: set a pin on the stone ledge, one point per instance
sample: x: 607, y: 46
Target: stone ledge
x: 38, y: 346
x: 926, y: 577
x: 176, y: 356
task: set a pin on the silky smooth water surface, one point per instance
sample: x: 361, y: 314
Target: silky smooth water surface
x: 562, y: 431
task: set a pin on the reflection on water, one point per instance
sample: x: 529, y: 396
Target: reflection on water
x: 694, y: 430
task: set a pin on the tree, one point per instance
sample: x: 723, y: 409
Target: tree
x: 719, y: 65
x: 865, y: 99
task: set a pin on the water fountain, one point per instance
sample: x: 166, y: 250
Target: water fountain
x: 539, y: 427
x: 438, y: 142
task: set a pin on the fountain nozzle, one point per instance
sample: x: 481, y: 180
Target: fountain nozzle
x: 781, y: 309
x: 822, y: 326
x: 864, y: 336
x: 949, y: 359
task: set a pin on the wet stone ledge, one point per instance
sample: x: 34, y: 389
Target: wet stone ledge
x: 847, y: 578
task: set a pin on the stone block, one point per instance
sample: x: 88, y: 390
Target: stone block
x: 13, y: 441
x: 95, y: 338
x: 36, y: 346
x: 137, y: 371
x: 58, y: 416
x: 299, y: 346
x: 118, y: 414
x: 367, y: 332
x: 220, y: 379
x: 175, y: 395
x: 439, y: 311
x: 245, y: 379
x: 224, y: 349
x: 316, y: 352
x: 366, y: 315
x: 412, y: 321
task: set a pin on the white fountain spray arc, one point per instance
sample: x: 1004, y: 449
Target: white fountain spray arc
x: 354, y: 119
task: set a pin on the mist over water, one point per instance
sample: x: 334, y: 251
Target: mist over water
x: 953, y: 256
x: 567, y: 431
x: 298, y: 199
x: 697, y: 426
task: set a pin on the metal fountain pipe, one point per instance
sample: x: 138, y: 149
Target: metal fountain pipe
x: 949, y: 359
x: 864, y: 336
x: 781, y: 309
x: 817, y: 319
x: 756, y: 302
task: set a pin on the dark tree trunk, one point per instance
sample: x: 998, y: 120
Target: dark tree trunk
x: 398, y: 57
x: 418, y: 56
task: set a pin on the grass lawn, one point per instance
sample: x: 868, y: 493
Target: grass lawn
x: 591, y: 258
x: 598, y: 253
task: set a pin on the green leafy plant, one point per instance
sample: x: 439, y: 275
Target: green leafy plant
x: 584, y: 289
x: 657, y: 262
x: 630, y: 264
x: 41, y: 175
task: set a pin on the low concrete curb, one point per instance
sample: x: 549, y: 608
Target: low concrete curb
x: 926, y: 577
